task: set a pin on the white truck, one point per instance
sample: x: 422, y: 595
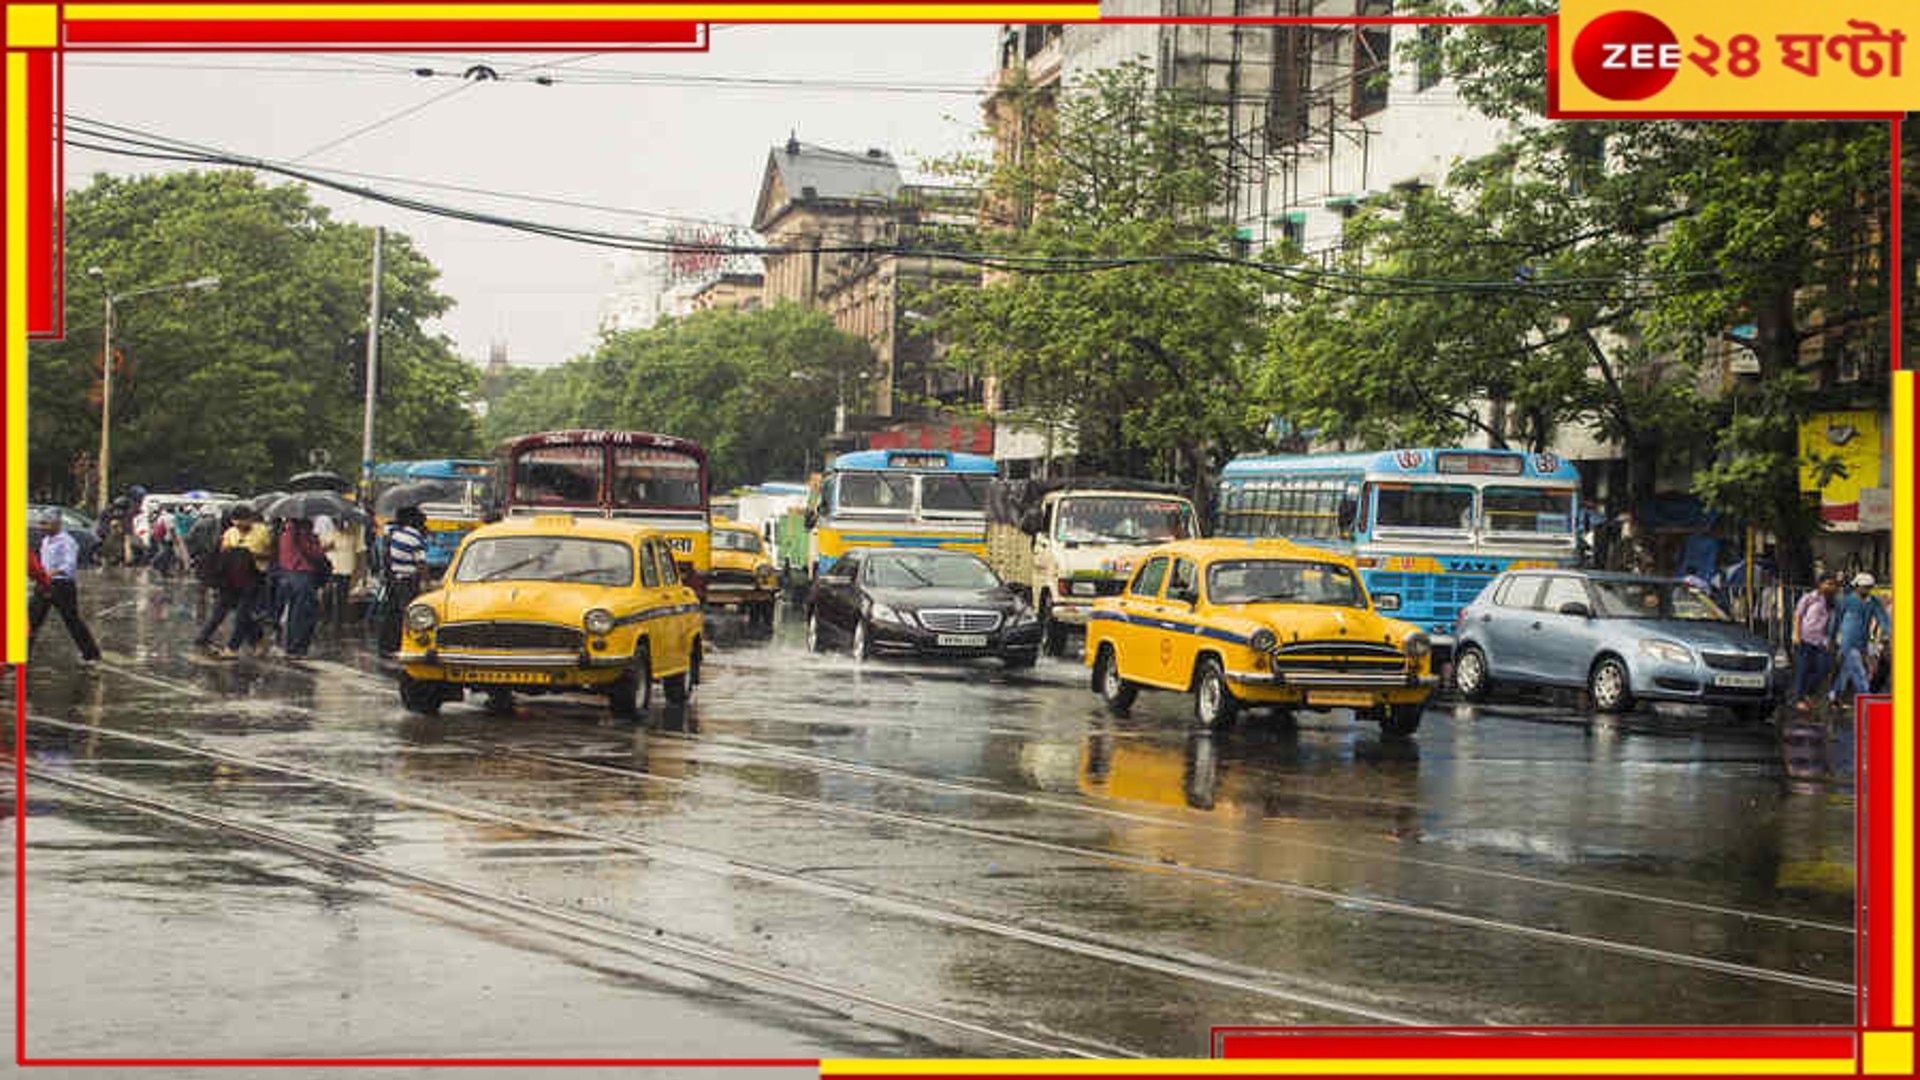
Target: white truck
x: 1069, y: 542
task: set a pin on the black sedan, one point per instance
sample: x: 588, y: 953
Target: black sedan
x: 929, y: 602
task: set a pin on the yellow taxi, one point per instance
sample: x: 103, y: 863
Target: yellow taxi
x: 554, y: 604
x: 1257, y: 622
x: 742, y: 574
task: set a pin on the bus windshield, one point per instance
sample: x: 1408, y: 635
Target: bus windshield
x: 1528, y: 510
x: 646, y: 477
x: 558, y: 476
x: 1124, y: 520
x: 953, y: 493
x: 464, y: 494
x: 1424, y: 506
x: 876, y: 492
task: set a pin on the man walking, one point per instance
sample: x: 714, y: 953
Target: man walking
x: 406, y: 559
x: 1855, y: 616
x: 60, y: 558
x: 1812, y: 649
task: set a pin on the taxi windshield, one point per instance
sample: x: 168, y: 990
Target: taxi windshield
x: 1282, y: 581
x: 546, y: 558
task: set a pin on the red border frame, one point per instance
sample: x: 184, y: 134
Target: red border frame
x: 1874, y: 806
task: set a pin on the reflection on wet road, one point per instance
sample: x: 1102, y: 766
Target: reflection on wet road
x: 828, y: 857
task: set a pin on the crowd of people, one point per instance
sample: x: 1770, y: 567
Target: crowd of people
x: 1833, y: 640
x: 266, y: 584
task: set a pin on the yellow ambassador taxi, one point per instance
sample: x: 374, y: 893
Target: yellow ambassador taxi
x: 1257, y: 622
x: 549, y: 605
x: 742, y: 574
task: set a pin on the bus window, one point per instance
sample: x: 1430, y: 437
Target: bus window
x: 645, y: 476
x: 953, y: 494
x: 876, y: 491
x: 1423, y: 506
x: 1529, y: 510
x: 558, y: 476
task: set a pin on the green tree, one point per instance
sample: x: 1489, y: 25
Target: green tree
x: 235, y: 387
x: 1147, y: 343
x: 757, y: 389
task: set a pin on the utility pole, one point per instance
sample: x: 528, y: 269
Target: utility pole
x: 373, y: 372
x: 106, y: 404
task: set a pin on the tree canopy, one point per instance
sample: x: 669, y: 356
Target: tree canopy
x: 240, y: 385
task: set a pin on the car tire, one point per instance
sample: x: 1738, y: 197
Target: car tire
x: 632, y: 693
x: 1401, y: 721
x: 1053, y: 634
x: 421, y: 696
x: 1470, y: 674
x: 1610, y: 686
x: 862, y: 643
x: 1115, y: 692
x: 500, y: 702
x: 679, y: 688
x: 816, y: 633
x: 1213, y: 702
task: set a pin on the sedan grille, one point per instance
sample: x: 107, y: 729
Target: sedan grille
x: 510, y: 635
x: 1735, y: 661
x: 959, y: 620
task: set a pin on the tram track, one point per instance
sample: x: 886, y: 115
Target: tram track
x: 1071, y: 940
x: 657, y: 947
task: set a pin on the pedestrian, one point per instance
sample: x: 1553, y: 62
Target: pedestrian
x: 300, y: 566
x: 160, y: 542
x: 342, y: 544
x: 253, y: 600
x: 1854, y: 617
x: 1812, y: 645
x: 59, y: 560
x: 406, y: 560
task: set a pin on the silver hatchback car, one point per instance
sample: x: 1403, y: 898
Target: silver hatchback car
x: 1624, y: 638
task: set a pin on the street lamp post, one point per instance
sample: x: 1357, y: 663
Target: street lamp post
x: 106, y: 365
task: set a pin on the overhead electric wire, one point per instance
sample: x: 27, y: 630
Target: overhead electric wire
x: 125, y: 141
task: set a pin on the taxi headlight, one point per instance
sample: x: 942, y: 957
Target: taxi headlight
x: 422, y: 617
x: 1670, y: 651
x: 1263, y: 641
x: 599, y: 621
x: 1418, y: 645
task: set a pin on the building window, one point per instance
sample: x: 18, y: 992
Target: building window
x: 1372, y: 48
x: 1293, y: 228
x: 1427, y: 72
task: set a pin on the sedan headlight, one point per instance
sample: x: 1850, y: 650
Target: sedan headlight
x: 1024, y: 615
x: 1418, y: 645
x: 1781, y: 659
x: 422, y: 617
x: 1670, y: 651
x: 886, y: 613
x: 598, y: 621
x: 1263, y: 640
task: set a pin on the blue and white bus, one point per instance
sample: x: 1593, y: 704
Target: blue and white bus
x: 901, y: 498
x: 451, y: 492
x: 1428, y: 527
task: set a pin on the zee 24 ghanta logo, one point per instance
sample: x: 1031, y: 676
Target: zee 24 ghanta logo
x: 1631, y: 55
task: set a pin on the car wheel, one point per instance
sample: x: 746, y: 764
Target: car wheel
x: 816, y: 634
x: 1213, y: 701
x: 1116, y: 692
x: 1470, y: 674
x: 421, y: 696
x: 500, y: 702
x: 1400, y: 721
x: 679, y: 687
x: 1611, y: 689
x: 633, y: 691
x: 862, y: 644
x: 1054, y: 634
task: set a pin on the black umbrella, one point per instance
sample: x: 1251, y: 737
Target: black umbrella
x: 414, y: 494
x: 311, y: 504
x: 318, y: 480
x: 263, y: 500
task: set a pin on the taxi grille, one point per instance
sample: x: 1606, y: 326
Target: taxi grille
x: 509, y: 635
x: 959, y: 620
x: 1338, y: 656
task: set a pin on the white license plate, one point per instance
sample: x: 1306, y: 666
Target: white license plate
x: 482, y: 675
x: 971, y: 641
x: 1741, y: 682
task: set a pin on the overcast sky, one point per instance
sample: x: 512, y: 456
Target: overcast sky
x: 600, y: 135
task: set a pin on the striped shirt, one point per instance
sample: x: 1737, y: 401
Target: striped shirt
x: 406, y: 551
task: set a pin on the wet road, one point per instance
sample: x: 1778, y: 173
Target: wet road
x: 821, y: 857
